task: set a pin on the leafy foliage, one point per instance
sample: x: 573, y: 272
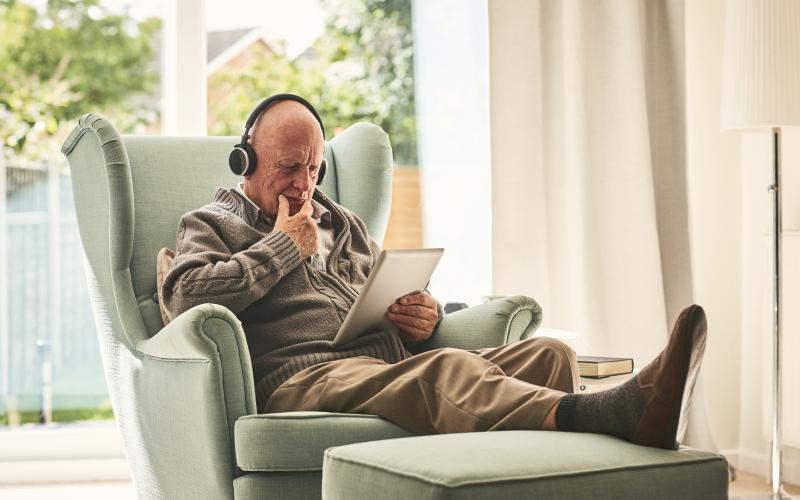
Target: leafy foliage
x: 375, y: 38
x: 68, y: 58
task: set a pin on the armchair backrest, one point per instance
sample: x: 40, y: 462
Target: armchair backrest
x: 129, y: 195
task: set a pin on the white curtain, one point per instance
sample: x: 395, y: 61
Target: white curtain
x: 605, y: 236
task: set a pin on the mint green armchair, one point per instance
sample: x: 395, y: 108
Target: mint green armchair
x: 183, y: 394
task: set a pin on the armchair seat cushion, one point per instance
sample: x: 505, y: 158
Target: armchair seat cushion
x: 296, y: 441
x: 520, y: 464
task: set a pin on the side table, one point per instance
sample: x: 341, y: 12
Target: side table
x: 588, y: 385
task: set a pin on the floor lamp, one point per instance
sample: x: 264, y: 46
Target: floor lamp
x: 761, y: 90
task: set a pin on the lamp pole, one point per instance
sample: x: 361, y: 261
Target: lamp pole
x: 775, y: 189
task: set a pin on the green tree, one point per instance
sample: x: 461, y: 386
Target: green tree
x: 234, y: 91
x: 70, y: 57
x: 374, y: 40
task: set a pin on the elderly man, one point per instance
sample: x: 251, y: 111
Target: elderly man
x: 289, y: 262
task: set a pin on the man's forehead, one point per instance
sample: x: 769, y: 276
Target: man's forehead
x: 285, y: 116
x: 297, y: 156
x: 287, y: 143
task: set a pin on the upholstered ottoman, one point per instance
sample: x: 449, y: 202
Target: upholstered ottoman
x: 519, y: 464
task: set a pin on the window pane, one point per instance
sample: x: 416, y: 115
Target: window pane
x: 453, y: 115
x: 60, y: 60
x: 24, y: 191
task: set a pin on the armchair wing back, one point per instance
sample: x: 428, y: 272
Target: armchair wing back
x: 129, y: 195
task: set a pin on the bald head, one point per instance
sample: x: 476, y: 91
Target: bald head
x: 289, y: 144
x: 283, y: 121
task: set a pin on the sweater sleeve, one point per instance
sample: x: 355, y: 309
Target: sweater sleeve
x: 205, y: 269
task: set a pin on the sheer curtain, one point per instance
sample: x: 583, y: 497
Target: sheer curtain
x: 589, y: 170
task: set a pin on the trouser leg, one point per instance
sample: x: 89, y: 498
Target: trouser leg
x: 540, y: 361
x: 440, y: 391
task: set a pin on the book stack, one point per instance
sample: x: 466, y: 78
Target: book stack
x: 600, y: 367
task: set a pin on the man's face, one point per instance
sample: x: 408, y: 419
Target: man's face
x: 290, y: 150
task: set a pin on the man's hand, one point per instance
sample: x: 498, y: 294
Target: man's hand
x: 415, y: 315
x: 300, y: 226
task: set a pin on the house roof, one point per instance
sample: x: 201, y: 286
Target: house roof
x: 218, y: 41
x: 222, y: 46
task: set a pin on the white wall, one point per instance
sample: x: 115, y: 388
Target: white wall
x: 732, y: 256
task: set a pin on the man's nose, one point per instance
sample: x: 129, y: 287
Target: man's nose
x: 302, y: 179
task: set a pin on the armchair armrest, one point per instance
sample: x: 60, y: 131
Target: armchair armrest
x: 486, y: 325
x: 197, y: 376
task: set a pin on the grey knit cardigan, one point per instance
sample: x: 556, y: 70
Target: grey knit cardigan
x: 227, y: 253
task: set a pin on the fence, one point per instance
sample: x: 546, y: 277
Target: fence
x: 44, y: 304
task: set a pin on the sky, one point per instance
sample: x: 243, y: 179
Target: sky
x: 299, y: 22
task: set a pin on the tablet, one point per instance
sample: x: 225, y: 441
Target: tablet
x: 397, y: 273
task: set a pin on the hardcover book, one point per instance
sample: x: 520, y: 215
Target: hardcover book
x: 599, y: 366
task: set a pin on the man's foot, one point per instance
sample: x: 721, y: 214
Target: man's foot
x: 668, y: 378
x: 646, y: 409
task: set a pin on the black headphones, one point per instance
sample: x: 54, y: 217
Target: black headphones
x: 242, y: 159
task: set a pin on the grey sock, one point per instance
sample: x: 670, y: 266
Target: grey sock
x: 615, y: 411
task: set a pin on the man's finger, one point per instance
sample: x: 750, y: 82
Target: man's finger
x: 283, y: 206
x: 306, y: 209
x: 420, y: 298
x: 406, y: 324
x: 414, y: 334
x: 416, y: 311
x: 410, y: 320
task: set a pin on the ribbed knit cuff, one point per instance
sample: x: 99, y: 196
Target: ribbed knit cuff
x: 565, y: 413
x: 286, y: 252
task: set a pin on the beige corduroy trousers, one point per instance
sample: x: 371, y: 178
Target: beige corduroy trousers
x: 441, y: 391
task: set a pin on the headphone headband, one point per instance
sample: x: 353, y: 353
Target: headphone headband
x: 269, y: 101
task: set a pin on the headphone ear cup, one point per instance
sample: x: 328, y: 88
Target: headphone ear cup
x: 242, y: 160
x: 322, y: 168
x: 252, y: 161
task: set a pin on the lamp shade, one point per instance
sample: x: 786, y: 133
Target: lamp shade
x: 761, y: 64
